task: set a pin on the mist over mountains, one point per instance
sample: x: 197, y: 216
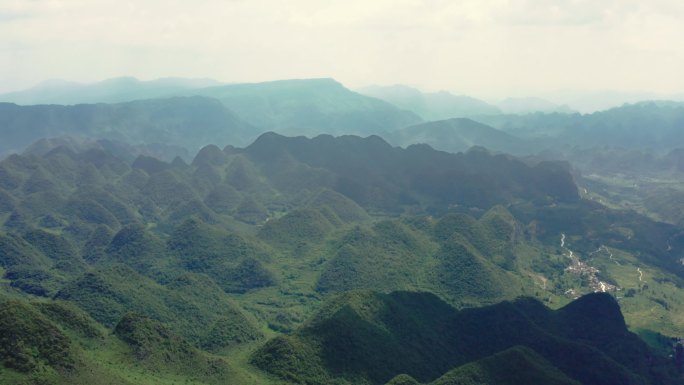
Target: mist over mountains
x: 238, y: 113
x: 226, y: 114
x: 115, y: 90
x: 431, y: 106
x: 298, y: 232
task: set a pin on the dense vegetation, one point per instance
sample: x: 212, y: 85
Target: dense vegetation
x: 189, y: 122
x: 166, y: 257
x: 367, y: 338
x: 331, y: 260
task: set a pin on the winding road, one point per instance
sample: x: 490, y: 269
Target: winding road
x: 563, y: 245
x: 611, y: 257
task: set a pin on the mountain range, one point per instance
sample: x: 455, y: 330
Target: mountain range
x: 432, y: 105
x: 115, y: 90
x: 162, y: 232
x: 305, y: 106
x: 311, y: 244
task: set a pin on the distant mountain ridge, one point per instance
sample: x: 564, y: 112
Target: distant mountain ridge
x: 310, y: 107
x: 122, y: 150
x: 114, y: 90
x: 527, y: 105
x: 318, y: 106
x: 458, y: 135
x: 189, y: 122
x: 432, y: 105
x: 658, y: 126
x: 193, y: 113
x: 364, y: 165
x: 333, y: 260
x: 316, y: 255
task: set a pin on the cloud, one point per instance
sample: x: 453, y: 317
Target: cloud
x: 12, y: 16
x: 488, y: 47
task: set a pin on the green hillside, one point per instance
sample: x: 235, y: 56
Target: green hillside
x: 310, y: 107
x: 458, y: 135
x: 186, y: 114
x: 189, y: 122
x: 646, y: 125
x: 332, y: 260
x: 517, y: 365
x: 514, y: 366
x: 156, y: 347
x: 369, y: 338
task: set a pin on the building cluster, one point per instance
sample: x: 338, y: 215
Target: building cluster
x: 590, y: 273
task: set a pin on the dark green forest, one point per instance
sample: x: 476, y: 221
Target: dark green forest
x: 180, y: 240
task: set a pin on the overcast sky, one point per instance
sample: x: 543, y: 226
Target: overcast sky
x: 486, y: 48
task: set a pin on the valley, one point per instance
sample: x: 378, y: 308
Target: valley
x: 263, y: 258
x: 364, y: 192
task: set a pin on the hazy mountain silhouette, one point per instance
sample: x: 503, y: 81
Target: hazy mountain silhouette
x: 431, y: 105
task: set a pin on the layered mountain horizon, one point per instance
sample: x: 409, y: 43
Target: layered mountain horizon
x: 298, y: 232
x: 128, y: 88
x: 238, y: 113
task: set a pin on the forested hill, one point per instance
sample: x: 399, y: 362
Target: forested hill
x: 191, y: 113
x: 652, y: 125
x: 243, y: 264
x: 188, y: 122
x: 270, y: 176
x: 373, y: 173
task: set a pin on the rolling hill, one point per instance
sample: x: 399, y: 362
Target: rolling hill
x: 654, y: 125
x: 431, y: 105
x: 115, y: 90
x: 168, y: 111
x: 327, y: 260
x: 367, y: 338
x: 310, y: 107
x: 186, y: 122
x: 460, y: 134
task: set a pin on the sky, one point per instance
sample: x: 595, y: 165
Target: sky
x: 484, y: 48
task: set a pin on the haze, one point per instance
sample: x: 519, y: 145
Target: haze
x: 490, y: 49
